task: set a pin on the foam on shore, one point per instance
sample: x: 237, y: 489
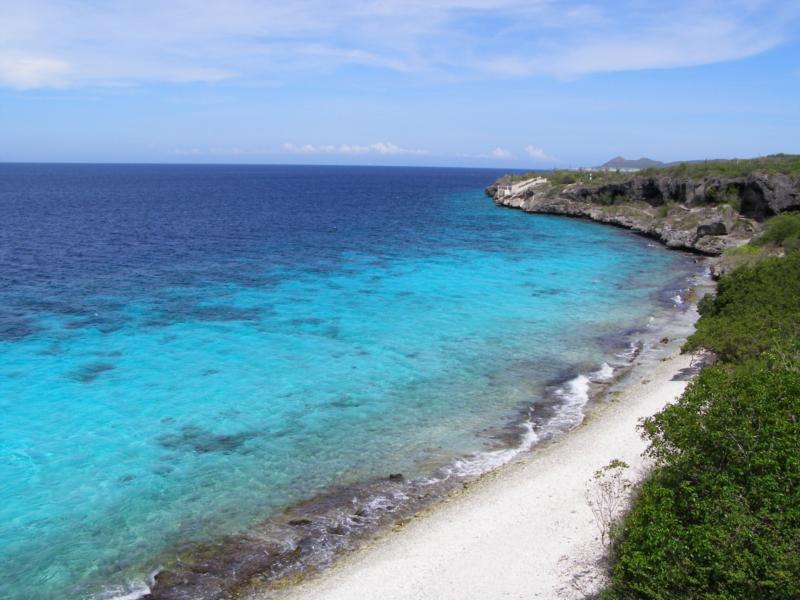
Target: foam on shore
x: 525, y: 533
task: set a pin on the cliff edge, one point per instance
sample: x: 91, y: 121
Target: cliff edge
x: 703, y: 207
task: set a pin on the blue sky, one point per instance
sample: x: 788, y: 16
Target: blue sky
x: 492, y: 83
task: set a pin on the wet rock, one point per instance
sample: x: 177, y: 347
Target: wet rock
x: 299, y: 522
x: 396, y: 477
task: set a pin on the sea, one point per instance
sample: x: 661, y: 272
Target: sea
x: 204, y: 363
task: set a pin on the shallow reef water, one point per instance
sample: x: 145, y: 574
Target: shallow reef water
x: 188, y: 351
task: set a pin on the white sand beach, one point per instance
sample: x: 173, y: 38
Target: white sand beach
x: 525, y: 531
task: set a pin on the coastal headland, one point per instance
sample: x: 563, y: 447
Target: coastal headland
x: 707, y: 207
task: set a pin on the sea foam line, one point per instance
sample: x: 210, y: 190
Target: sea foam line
x: 135, y: 590
x: 574, y: 395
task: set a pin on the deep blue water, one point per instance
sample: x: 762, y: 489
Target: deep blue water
x: 187, y: 350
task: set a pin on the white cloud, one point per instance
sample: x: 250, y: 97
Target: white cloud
x: 633, y: 54
x: 496, y: 154
x: 382, y: 148
x: 82, y: 43
x: 27, y: 72
x: 537, y: 153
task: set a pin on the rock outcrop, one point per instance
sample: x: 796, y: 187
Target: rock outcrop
x: 706, y: 216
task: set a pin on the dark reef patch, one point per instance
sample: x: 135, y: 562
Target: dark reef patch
x: 344, y: 401
x: 543, y: 292
x: 88, y: 373
x: 332, y: 332
x: 220, y: 313
x: 53, y: 350
x: 192, y: 438
x: 306, y: 321
x: 55, y: 306
x: 181, y: 311
x: 14, y: 328
x: 104, y: 324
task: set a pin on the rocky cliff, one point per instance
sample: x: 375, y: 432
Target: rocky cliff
x: 707, y: 215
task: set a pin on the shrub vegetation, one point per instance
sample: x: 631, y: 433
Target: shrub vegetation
x: 756, y: 309
x: 719, y: 517
x: 787, y: 164
x: 782, y: 230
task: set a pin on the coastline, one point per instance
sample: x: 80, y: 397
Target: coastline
x: 482, y: 526
x: 318, y: 536
x: 527, y: 520
x: 321, y: 535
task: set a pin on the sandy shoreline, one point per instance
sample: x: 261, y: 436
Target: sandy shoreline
x: 524, y: 531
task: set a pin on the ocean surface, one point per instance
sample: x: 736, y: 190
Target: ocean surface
x: 186, y: 351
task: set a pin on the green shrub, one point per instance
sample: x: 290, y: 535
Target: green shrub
x: 756, y: 308
x: 783, y: 230
x: 745, y: 255
x: 788, y: 164
x: 605, y: 199
x: 663, y: 210
x: 565, y: 178
x: 720, y: 515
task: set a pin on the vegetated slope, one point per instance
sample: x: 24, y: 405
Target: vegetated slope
x: 719, y: 517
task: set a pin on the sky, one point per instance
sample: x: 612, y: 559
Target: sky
x: 480, y: 83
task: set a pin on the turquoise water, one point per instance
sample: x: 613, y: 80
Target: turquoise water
x: 191, y: 391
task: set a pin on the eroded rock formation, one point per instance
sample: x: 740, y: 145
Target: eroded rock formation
x: 706, y: 216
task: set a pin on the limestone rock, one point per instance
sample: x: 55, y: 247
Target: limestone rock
x: 706, y: 216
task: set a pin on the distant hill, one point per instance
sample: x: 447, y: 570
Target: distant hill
x: 620, y: 162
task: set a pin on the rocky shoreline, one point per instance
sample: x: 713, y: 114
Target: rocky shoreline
x: 456, y: 550
x: 705, y: 216
x: 272, y: 557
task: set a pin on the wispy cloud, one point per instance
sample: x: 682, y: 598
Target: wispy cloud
x: 501, y: 153
x: 382, y: 148
x: 495, y: 154
x: 52, y: 43
x: 537, y: 153
x: 32, y: 71
x: 683, y: 42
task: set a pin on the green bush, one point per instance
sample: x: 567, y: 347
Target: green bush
x: 783, y: 230
x: 720, y: 515
x: 605, y: 199
x: 745, y: 255
x: 788, y: 164
x: 756, y: 308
